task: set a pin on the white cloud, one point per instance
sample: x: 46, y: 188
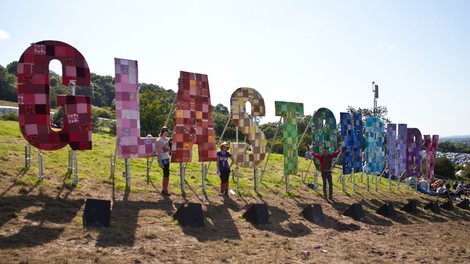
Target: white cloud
x: 4, y: 34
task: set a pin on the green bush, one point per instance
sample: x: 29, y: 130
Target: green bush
x: 9, y: 117
x: 444, y: 168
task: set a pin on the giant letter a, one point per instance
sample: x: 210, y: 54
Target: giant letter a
x: 193, y: 120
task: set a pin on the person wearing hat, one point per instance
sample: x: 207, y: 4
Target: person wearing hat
x: 223, y: 168
x: 326, y: 169
x: 163, y: 155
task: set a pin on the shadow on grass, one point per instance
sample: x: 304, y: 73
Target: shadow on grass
x: 370, y: 218
x: 277, y: 216
x: 453, y: 214
x: 374, y: 205
x: 331, y: 222
x: 429, y: 215
x: 218, y: 224
x: 66, y: 187
x: 15, y: 183
x: 56, y: 211
x: 124, y: 218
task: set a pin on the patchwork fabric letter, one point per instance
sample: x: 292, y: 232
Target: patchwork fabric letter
x: 128, y: 140
x: 375, y: 151
x: 33, y: 97
x: 290, y: 111
x: 351, y: 131
x: 413, y: 156
x: 193, y: 120
x: 240, y: 118
x: 324, y: 132
x: 431, y: 149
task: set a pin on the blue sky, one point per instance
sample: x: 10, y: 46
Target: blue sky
x: 319, y: 53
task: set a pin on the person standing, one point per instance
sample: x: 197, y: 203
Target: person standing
x: 223, y: 168
x: 163, y: 155
x: 326, y: 169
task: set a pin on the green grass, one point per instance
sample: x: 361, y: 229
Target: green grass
x: 95, y: 165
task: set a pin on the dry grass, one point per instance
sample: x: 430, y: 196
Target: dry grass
x: 8, y: 103
x: 41, y: 222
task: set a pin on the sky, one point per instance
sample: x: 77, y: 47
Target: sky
x: 319, y: 53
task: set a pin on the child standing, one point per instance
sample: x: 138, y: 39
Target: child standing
x: 223, y: 168
x: 163, y: 155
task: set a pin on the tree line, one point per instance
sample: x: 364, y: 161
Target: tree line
x: 456, y: 147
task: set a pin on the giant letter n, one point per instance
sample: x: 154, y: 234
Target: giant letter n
x: 351, y: 131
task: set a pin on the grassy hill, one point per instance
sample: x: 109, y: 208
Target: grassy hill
x: 41, y: 221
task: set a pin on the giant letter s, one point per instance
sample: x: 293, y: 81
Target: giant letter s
x: 241, y: 119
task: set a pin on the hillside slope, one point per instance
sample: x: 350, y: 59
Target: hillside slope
x: 41, y: 222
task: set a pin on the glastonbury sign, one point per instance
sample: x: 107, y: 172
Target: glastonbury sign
x: 194, y: 123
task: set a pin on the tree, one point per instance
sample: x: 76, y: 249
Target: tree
x: 444, y: 168
x: 446, y: 147
x: 54, y: 79
x: 154, y: 109
x: 143, y: 87
x: 220, y: 108
x: 102, y: 92
x: 456, y: 147
x: 381, y: 112
x: 276, y: 145
x: 221, y: 116
x: 8, y: 86
x: 219, y: 124
x: 269, y: 129
x: 12, y: 68
x: 302, y: 124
